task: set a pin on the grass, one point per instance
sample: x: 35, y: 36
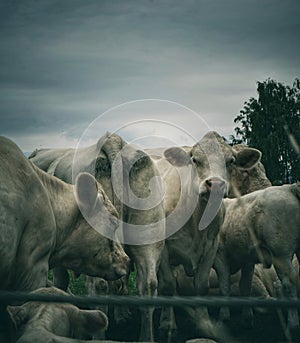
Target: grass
x: 132, y: 282
x: 76, y: 285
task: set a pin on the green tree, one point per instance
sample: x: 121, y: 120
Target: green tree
x: 271, y: 123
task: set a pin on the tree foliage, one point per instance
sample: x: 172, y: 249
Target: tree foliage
x: 271, y: 123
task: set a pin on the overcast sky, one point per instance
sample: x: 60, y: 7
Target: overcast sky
x: 64, y: 63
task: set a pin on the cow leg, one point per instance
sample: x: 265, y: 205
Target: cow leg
x: 203, y: 323
x: 122, y: 313
x: 289, y: 279
x: 146, y: 285
x: 167, y: 287
x: 204, y: 266
x: 245, y: 285
x: 167, y: 325
x: 147, y: 260
x: 204, y: 326
x: 201, y: 278
x: 222, y: 269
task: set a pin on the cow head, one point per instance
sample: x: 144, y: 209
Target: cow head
x: 134, y: 189
x: 214, y: 161
x: 50, y: 320
x: 89, y: 250
x: 248, y: 180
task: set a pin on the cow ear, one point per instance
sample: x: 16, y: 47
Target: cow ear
x: 177, y: 157
x: 93, y: 320
x: 247, y: 158
x: 86, y: 189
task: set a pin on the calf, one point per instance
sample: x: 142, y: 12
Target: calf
x: 55, y: 322
x: 261, y: 227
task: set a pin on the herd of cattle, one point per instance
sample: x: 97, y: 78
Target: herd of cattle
x: 238, y: 225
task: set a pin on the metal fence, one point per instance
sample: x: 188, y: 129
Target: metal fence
x: 8, y: 297
x: 275, y: 305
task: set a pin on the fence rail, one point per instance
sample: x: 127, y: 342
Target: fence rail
x: 10, y: 298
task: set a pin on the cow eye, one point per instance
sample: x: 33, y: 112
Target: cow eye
x: 114, y: 222
x: 193, y: 159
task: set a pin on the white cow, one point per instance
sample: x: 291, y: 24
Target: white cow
x: 243, y: 178
x: 261, y: 227
x: 205, y: 170
x: 41, y: 225
x: 242, y: 181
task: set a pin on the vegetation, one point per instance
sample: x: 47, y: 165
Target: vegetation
x: 271, y: 123
x: 76, y: 285
x: 132, y: 282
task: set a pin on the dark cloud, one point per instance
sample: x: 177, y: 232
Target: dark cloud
x: 62, y: 63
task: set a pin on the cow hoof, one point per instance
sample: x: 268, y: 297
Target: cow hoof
x: 170, y: 335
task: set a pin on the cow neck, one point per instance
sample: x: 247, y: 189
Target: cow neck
x: 63, y: 204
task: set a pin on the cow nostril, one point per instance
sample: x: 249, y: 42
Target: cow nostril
x: 208, y: 183
x: 216, y: 183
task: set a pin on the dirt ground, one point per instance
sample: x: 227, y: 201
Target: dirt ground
x: 267, y: 328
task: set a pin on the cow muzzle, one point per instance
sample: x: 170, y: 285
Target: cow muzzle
x: 216, y: 185
x: 122, y: 269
